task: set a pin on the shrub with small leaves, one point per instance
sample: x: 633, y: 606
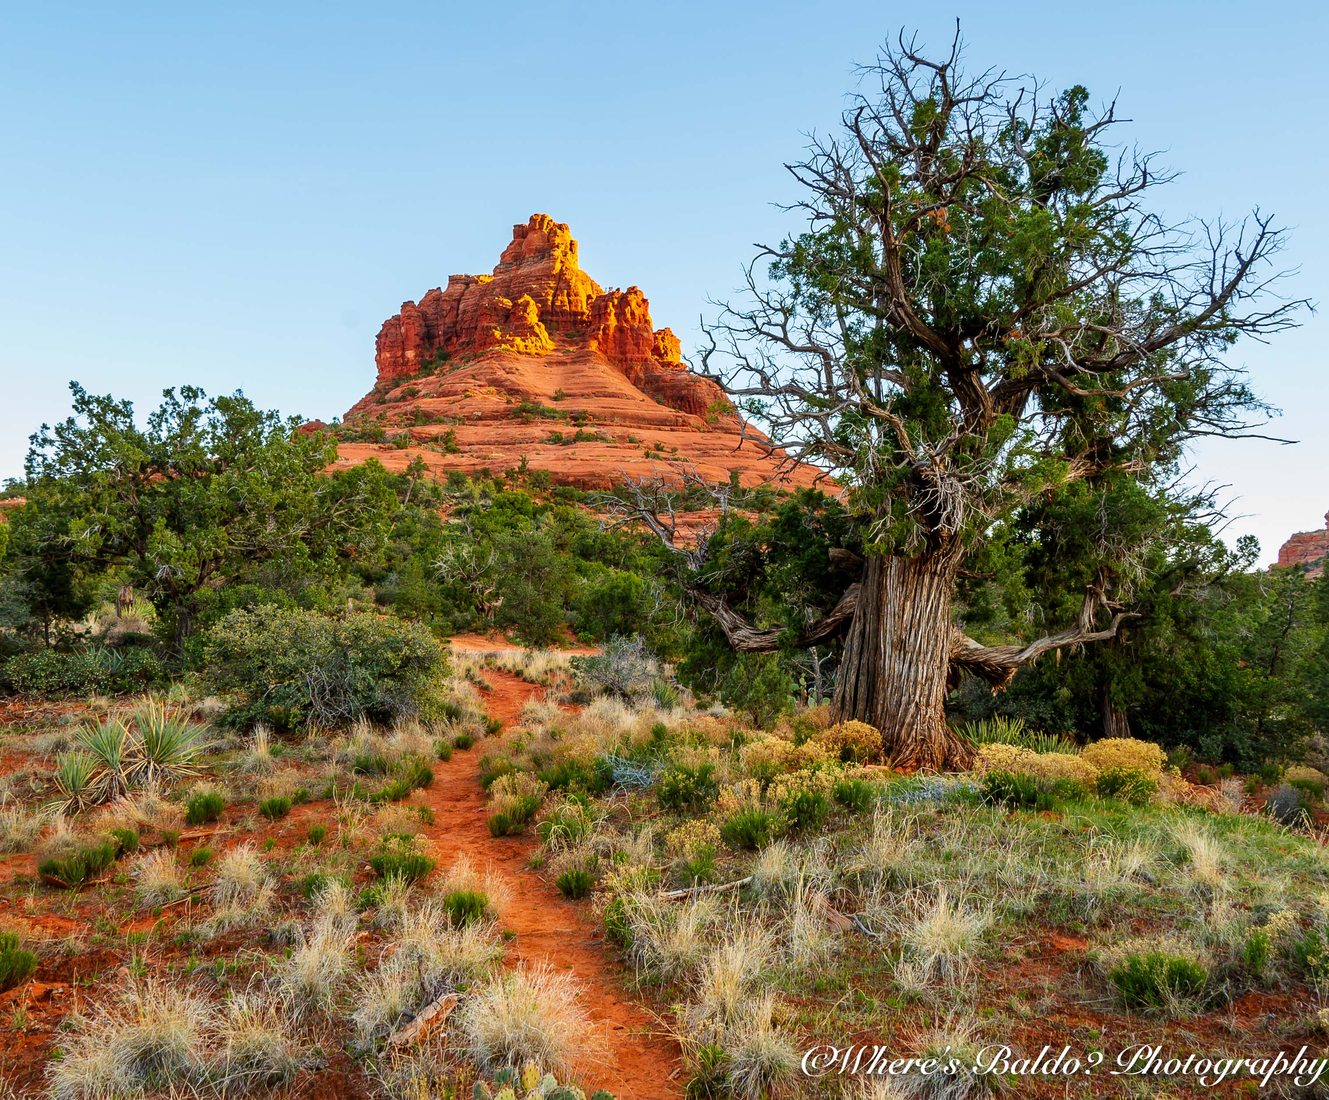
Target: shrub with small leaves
x: 276, y: 807
x: 16, y: 963
x: 576, y: 882
x: 398, y: 858
x: 1129, y: 784
x: 204, y: 807
x: 748, y: 829
x: 1156, y: 979
x: 681, y: 787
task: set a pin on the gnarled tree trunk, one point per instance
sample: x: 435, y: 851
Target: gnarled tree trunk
x: 895, y: 670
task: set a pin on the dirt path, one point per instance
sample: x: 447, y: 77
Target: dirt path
x: 636, y: 1060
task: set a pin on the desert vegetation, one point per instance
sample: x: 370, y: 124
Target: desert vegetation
x: 321, y: 778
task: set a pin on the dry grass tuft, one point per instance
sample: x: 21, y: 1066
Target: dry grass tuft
x: 529, y: 1015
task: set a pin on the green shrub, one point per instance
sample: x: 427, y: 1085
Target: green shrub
x: 576, y: 882
x: 593, y: 778
x: 1311, y: 954
x: 371, y: 763
x: 294, y: 667
x: 687, y: 788
x: 204, y: 807
x: 566, y: 825
x: 501, y: 824
x: 1009, y: 789
x: 1255, y: 952
x: 16, y: 964
x: 624, y: 668
x: 805, y: 810
x: 465, y: 907
x: 854, y: 795
x: 77, y: 867
x: 316, y: 881
x: 1128, y: 784
x: 462, y: 742
x: 126, y: 840
x: 1001, y: 729
x: 96, y: 671
x: 1153, y: 979
x: 201, y: 856
x: 276, y: 807
x: 748, y: 829
x: 618, y: 922
x: 699, y: 866
x: 398, y: 859
x: 317, y: 834
x: 442, y: 749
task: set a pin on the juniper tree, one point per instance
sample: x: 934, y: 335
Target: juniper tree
x: 983, y: 314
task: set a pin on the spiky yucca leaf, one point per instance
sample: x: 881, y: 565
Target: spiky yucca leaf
x: 108, y: 741
x: 77, y: 781
x: 165, y: 747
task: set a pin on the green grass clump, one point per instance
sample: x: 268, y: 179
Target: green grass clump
x: 1156, y: 979
x: 371, y: 763
x: 1129, y: 785
x: 576, y: 883
x: 397, y: 859
x: 276, y: 807
x: 466, y: 907
x: 16, y: 963
x: 204, y: 808
x: 462, y: 742
x: 748, y: 829
x: 126, y: 840
x: 201, y: 857
x: 855, y: 795
x: 442, y: 749
x: 317, y: 834
x: 80, y: 865
x: 685, y: 788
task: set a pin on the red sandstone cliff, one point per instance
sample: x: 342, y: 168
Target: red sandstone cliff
x: 1309, y: 549
x: 537, y: 362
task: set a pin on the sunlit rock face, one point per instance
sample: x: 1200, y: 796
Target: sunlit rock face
x: 537, y: 362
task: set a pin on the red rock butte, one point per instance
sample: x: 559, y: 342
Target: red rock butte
x: 537, y: 362
x: 1307, y: 550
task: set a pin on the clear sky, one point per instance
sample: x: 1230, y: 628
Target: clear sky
x: 237, y: 195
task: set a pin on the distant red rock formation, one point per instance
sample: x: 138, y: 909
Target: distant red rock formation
x: 537, y: 299
x: 1309, y: 549
x: 536, y: 363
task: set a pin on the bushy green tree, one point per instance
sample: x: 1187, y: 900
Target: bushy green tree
x: 983, y: 313
x: 208, y: 494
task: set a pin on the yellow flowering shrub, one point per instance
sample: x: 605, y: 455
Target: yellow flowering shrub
x: 768, y: 757
x: 1055, y: 766
x: 1050, y: 767
x: 691, y: 838
x: 789, y: 786
x: 1126, y: 754
x: 743, y: 795
x: 1307, y: 776
x: 511, y: 790
x: 997, y: 757
x: 851, y: 741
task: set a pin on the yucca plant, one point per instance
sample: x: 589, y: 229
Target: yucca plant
x: 77, y: 781
x: 108, y: 742
x: 165, y: 749
x: 1002, y: 729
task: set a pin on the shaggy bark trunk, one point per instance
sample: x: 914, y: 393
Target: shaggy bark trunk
x: 897, y: 656
x: 1115, y: 721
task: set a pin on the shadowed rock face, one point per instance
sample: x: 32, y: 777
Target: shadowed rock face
x: 1308, y: 549
x: 537, y: 362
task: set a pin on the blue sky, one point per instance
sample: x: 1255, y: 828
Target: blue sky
x: 237, y: 195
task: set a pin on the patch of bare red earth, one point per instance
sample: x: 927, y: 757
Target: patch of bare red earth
x: 632, y: 1057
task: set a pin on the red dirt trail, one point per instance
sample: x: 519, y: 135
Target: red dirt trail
x: 634, y: 1060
